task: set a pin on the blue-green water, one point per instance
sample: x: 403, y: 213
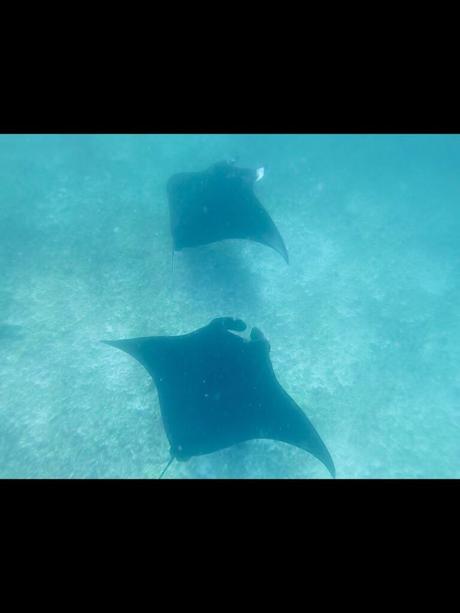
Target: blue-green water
x: 364, y: 323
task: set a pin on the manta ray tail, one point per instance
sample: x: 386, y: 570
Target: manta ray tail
x: 166, y: 467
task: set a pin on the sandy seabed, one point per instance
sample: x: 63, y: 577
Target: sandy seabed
x: 364, y: 323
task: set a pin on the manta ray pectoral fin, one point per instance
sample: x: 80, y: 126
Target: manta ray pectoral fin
x: 307, y: 438
x: 312, y: 444
x: 129, y: 346
x: 151, y: 352
x: 145, y: 350
x: 272, y: 238
x: 290, y: 424
x: 321, y: 453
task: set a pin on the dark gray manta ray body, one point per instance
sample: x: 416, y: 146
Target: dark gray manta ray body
x: 219, y: 204
x: 217, y: 389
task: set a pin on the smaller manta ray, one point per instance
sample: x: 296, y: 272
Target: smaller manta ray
x: 219, y: 204
x: 217, y: 389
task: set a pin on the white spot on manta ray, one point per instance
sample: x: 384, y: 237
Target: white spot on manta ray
x: 260, y: 172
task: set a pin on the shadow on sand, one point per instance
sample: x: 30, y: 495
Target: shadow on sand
x: 10, y: 333
x: 218, y: 275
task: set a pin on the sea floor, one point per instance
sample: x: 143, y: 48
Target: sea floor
x: 364, y: 323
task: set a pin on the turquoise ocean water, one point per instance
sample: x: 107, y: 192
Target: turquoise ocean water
x: 364, y: 323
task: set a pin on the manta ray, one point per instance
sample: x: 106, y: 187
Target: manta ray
x: 217, y: 388
x: 219, y: 204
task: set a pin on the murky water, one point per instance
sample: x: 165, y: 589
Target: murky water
x: 364, y: 323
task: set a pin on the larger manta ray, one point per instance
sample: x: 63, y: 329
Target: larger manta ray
x: 217, y: 389
x: 219, y: 204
